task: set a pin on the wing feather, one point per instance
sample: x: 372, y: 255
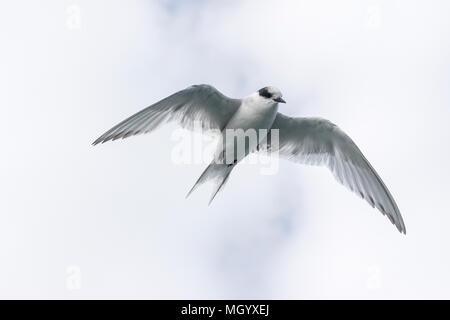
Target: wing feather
x: 199, y: 103
x: 317, y: 141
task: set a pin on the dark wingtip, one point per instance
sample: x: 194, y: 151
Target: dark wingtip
x: 96, y: 142
x: 99, y: 141
x: 401, y: 228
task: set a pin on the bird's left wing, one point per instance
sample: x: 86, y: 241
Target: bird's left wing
x: 198, y: 103
x: 317, y: 141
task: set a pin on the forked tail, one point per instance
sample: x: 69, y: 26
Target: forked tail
x: 215, y: 171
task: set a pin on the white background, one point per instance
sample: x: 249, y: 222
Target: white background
x: 111, y: 221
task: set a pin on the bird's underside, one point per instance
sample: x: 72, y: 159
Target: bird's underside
x: 311, y: 141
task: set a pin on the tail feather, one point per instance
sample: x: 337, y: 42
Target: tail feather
x: 215, y: 171
x: 220, y: 185
x: 203, y: 177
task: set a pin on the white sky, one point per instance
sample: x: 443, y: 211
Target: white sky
x: 116, y: 213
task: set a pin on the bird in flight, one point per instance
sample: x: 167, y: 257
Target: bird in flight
x: 313, y: 141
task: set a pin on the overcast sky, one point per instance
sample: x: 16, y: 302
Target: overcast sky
x: 112, y: 221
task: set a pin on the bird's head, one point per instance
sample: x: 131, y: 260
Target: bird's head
x: 272, y: 94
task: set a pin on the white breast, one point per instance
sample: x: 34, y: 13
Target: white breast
x: 255, y: 112
x: 255, y: 116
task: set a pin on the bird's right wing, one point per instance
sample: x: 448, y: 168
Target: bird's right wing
x: 317, y: 141
x: 203, y: 104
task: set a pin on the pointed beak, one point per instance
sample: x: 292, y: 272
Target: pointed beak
x: 280, y: 100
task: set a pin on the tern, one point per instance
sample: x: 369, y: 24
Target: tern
x: 306, y: 140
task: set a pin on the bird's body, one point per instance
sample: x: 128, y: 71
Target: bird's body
x: 306, y: 140
x: 255, y: 113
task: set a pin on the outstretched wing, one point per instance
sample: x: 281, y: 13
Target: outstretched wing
x: 199, y: 103
x: 317, y: 141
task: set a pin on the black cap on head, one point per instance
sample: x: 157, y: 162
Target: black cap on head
x: 264, y: 92
x: 271, y: 93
